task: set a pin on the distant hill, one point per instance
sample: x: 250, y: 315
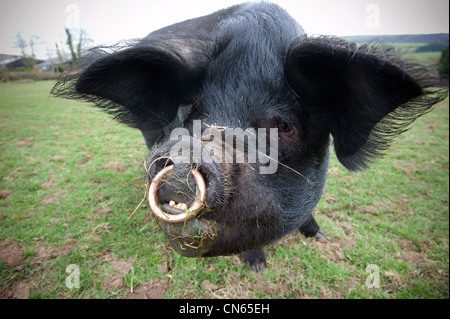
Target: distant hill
x: 402, y: 38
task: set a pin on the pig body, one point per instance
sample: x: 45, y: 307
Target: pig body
x: 251, y: 67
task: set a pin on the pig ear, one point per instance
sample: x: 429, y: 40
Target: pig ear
x: 141, y: 86
x: 364, y: 98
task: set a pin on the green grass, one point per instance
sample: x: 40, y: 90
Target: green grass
x: 54, y: 157
x: 408, y: 50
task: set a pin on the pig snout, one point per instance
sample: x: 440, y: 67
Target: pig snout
x: 184, y: 190
x: 180, y: 184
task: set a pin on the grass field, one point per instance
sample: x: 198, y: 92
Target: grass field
x: 70, y: 177
x: 408, y: 50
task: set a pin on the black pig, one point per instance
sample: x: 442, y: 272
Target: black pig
x: 250, y: 66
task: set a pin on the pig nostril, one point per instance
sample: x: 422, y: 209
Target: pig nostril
x: 160, y: 164
x: 193, y: 209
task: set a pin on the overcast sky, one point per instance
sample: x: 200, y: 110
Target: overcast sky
x: 114, y: 20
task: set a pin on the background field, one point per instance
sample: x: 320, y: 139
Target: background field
x: 70, y: 177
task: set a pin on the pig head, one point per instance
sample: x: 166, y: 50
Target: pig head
x: 249, y: 67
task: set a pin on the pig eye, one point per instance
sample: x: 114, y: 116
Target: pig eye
x: 285, y: 127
